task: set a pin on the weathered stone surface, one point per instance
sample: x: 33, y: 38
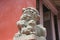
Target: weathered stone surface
x: 29, y: 30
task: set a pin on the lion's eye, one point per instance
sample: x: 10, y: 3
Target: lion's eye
x: 24, y: 26
x: 32, y: 12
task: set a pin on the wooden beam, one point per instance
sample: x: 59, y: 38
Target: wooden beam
x: 50, y: 6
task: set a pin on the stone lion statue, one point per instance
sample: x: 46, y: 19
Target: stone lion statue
x: 28, y: 27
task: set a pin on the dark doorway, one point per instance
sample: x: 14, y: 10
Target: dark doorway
x: 47, y: 22
x: 37, y: 4
x: 56, y: 27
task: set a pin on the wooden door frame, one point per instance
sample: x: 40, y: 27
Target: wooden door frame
x: 53, y: 9
x: 50, y: 6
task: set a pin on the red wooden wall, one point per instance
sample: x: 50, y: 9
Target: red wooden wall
x: 10, y: 12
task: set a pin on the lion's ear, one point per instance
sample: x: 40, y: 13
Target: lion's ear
x: 23, y: 9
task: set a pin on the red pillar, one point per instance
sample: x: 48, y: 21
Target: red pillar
x: 10, y: 12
